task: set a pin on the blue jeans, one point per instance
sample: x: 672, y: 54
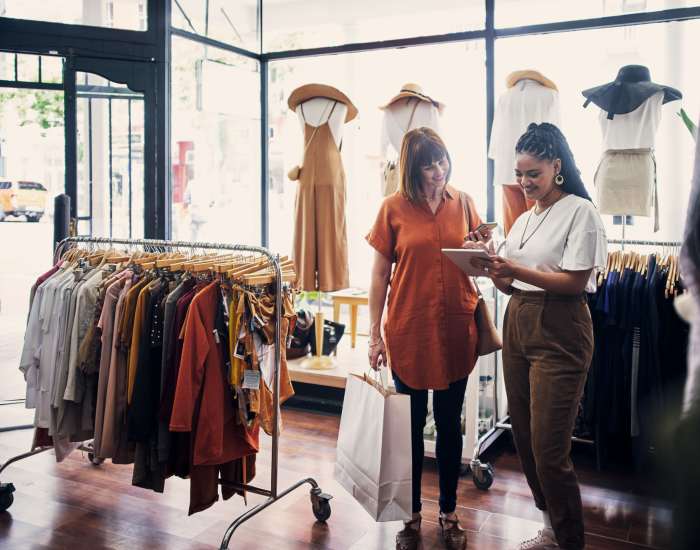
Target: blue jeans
x: 447, y: 410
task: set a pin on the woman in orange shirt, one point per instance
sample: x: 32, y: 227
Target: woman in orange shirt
x: 429, y: 327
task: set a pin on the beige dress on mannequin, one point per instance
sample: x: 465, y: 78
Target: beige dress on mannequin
x: 320, y: 236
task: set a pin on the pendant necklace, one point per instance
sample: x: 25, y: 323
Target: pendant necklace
x: 523, y: 240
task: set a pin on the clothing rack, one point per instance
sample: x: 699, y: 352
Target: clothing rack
x: 320, y: 501
x: 624, y: 242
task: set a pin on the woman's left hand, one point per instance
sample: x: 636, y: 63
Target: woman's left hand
x: 501, y: 268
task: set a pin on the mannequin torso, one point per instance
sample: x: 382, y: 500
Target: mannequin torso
x: 315, y: 111
x: 634, y: 130
x: 397, y: 117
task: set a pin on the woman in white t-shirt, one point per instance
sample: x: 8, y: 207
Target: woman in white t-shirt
x: 550, y: 261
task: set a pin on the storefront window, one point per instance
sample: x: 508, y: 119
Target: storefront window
x: 668, y: 50
x: 17, y: 67
x: 235, y: 22
x: 516, y: 13
x: 215, y: 145
x: 118, y: 14
x: 452, y: 74
x: 32, y: 173
x: 297, y: 24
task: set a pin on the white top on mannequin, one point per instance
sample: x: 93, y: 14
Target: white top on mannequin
x: 316, y: 110
x: 634, y: 130
x: 526, y: 102
x: 396, y: 119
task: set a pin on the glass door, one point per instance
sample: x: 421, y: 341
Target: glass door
x: 110, y: 161
x: 107, y: 145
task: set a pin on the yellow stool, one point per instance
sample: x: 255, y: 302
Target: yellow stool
x: 353, y: 300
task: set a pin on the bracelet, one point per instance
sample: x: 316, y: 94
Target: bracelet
x: 376, y: 342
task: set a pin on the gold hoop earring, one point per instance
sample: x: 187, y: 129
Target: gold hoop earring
x: 559, y: 179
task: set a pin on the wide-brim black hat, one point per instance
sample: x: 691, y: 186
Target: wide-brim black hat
x: 631, y: 88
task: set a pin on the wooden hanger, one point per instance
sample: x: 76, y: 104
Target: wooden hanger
x: 287, y: 277
x: 168, y: 262
x: 247, y: 268
x: 118, y: 259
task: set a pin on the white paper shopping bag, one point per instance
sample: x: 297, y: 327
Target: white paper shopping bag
x: 373, y: 460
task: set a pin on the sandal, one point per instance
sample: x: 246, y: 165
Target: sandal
x: 453, y: 535
x: 409, y: 537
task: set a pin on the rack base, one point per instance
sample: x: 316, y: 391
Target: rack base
x: 320, y: 504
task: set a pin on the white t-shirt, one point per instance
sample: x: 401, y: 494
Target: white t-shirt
x: 526, y: 102
x: 571, y: 238
x: 634, y: 130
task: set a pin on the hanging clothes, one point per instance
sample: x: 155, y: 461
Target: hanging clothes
x: 640, y: 342
x: 139, y: 360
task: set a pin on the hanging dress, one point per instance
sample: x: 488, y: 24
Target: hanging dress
x: 320, y: 235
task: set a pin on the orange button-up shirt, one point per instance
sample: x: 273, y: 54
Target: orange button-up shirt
x: 429, y: 328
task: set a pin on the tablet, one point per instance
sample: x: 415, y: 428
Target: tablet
x: 462, y: 257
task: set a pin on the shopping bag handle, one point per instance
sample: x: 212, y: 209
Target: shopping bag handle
x: 376, y: 380
x: 376, y: 374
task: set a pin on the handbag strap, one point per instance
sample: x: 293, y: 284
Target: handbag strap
x: 463, y: 200
x: 413, y: 112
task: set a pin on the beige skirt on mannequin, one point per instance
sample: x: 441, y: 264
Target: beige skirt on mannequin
x: 626, y: 182
x: 320, y: 234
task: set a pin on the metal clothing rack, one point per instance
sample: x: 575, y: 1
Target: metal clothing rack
x: 624, y: 242
x: 320, y: 501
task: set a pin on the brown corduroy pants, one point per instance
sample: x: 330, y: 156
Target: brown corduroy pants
x: 547, y: 348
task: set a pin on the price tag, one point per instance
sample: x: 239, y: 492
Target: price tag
x: 251, y: 379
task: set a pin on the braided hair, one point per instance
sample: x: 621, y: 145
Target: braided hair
x: 546, y: 142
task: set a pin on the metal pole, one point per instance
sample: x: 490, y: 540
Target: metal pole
x: 264, y: 154
x: 276, y: 380
x: 490, y: 105
x: 61, y: 219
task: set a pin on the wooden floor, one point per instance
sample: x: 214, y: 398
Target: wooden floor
x: 75, y: 505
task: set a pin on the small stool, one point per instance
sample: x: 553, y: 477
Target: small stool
x: 354, y: 300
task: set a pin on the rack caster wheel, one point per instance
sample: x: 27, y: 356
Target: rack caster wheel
x: 94, y: 460
x: 320, y: 504
x: 6, y: 496
x: 482, y: 475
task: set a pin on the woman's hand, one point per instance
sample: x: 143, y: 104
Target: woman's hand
x: 479, y: 236
x: 501, y: 268
x: 479, y: 240
x: 377, y: 353
x: 475, y: 245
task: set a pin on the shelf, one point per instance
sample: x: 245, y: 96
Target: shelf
x: 347, y: 361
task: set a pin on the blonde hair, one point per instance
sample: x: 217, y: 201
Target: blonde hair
x: 420, y: 147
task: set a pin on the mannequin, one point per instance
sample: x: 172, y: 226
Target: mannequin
x: 529, y: 97
x: 396, y: 119
x: 630, y: 112
x: 409, y: 109
x: 320, y: 240
x: 316, y: 110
